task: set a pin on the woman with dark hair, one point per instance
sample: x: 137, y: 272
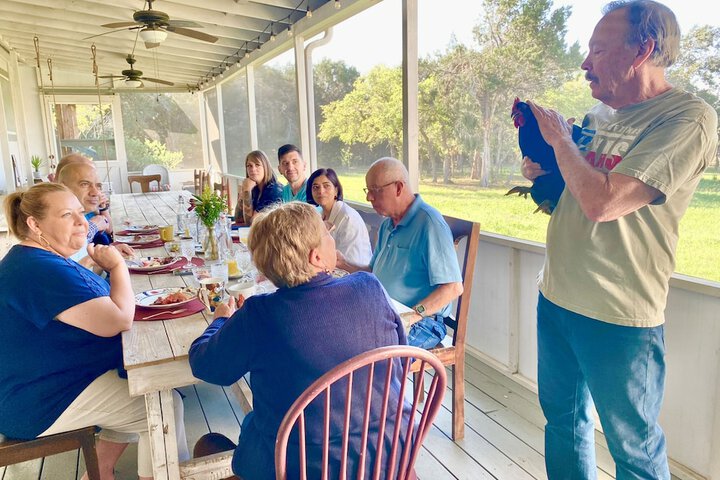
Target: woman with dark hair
x: 60, y: 349
x: 259, y: 189
x: 345, y: 224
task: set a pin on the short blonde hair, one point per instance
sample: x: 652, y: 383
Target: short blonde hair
x: 280, y: 241
x: 19, y: 206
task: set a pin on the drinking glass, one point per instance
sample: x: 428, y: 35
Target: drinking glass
x: 187, y: 249
x: 243, y: 259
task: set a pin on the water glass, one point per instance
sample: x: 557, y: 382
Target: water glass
x: 187, y: 249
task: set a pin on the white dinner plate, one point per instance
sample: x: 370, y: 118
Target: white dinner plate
x: 137, y: 239
x: 148, y: 297
x: 142, y: 228
x: 148, y: 264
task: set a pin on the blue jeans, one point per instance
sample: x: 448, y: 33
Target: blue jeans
x: 622, y: 370
x: 427, y: 332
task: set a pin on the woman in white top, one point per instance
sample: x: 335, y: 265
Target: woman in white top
x: 345, y: 224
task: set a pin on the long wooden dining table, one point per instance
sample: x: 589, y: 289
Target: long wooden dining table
x: 156, y: 352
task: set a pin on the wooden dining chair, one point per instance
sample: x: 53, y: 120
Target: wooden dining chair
x: 451, y: 350
x: 223, y: 188
x: 17, y: 451
x: 377, y: 367
x: 144, y: 181
x: 372, y: 221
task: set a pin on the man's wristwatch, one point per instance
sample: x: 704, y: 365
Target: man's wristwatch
x: 419, y: 309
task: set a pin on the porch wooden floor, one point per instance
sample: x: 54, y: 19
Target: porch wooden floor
x: 503, y: 435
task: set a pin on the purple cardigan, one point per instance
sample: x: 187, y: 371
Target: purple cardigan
x: 286, y: 340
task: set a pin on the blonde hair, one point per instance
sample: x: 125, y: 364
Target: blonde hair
x: 19, y: 206
x: 69, y: 159
x: 258, y: 156
x: 280, y: 241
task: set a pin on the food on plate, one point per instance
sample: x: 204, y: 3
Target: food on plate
x: 156, y: 261
x: 176, y: 297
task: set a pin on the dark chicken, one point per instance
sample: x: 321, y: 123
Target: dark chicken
x: 546, y: 189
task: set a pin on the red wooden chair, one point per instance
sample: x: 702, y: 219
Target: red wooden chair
x: 407, y: 436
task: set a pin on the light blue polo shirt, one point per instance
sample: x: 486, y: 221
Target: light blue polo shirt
x: 412, y: 258
x: 287, y: 195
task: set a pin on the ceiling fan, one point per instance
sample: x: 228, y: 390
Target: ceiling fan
x: 133, y: 78
x: 154, y: 25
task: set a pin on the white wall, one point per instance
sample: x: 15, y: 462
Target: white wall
x: 501, y: 331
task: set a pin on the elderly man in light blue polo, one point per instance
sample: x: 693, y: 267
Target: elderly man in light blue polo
x: 414, y: 257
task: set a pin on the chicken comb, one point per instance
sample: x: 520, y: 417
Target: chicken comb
x: 516, y: 114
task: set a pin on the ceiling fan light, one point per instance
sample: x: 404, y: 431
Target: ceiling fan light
x: 153, y: 35
x: 133, y: 83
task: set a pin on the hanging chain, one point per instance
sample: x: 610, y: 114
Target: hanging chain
x: 95, y: 71
x: 48, y: 138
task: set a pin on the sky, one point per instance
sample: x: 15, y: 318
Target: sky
x: 440, y: 19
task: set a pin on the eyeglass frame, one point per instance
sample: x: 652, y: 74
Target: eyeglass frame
x: 376, y: 190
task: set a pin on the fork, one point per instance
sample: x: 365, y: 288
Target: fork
x: 173, y: 312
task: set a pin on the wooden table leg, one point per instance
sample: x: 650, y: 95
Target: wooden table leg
x: 242, y: 392
x: 163, y: 440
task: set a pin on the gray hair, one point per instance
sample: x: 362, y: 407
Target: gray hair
x: 651, y: 20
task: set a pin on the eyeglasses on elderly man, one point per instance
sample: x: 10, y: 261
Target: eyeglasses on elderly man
x: 376, y: 190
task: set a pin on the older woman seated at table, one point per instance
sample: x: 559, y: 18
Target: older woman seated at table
x: 259, y: 189
x: 60, y: 347
x: 289, y: 338
x: 345, y: 224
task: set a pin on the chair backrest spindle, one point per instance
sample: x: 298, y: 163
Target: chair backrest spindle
x: 388, y: 456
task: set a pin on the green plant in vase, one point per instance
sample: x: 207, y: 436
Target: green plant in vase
x: 208, y: 207
x: 36, y: 163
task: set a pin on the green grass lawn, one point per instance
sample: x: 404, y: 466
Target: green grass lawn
x: 698, y: 252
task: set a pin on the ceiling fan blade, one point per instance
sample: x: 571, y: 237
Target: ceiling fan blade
x: 184, y: 24
x: 111, y: 76
x: 156, y: 80
x: 119, y: 25
x: 193, y: 34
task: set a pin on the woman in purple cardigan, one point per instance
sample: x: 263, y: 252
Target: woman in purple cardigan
x: 289, y: 338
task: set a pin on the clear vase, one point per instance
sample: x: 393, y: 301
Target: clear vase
x: 210, y: 245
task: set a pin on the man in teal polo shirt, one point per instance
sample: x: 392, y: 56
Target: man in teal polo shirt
x: 292, y: 166
x: 414, y: 257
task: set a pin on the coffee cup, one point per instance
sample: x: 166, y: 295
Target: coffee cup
x: 211, y: 292
x: 167, y: 233
x: 246, y: 289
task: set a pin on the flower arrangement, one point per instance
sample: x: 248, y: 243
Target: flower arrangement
x: 208, y: 207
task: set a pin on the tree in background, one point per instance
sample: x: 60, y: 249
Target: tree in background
x: 371, y: 114
x: 151, y: 152
x: 277, y: 107
x: 162, y: 127
x: 698, y: 68
x: 332, y: 80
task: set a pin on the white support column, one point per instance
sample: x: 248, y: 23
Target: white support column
x: 303, y: 107
x: 204, y: 131
x: 221, y: 131
x: 250, y: 78
x: 5, y: 152
x: 20, y: 117
x: 410, y: 90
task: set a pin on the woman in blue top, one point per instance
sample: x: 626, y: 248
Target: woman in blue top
x: 289, y: 338
x: 60, y: 347
x: 259, y: 189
